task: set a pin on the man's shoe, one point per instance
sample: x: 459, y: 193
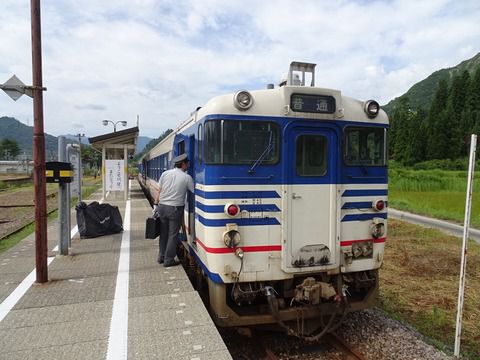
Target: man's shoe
x: 173, y: 263
x: 160, y: 261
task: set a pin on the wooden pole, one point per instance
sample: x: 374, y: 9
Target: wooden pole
x: 39, y: 148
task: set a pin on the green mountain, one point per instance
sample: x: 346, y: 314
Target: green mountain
x: 421, y: 94
x: 11, y: 128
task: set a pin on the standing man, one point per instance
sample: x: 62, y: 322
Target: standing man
x: 169, y: 205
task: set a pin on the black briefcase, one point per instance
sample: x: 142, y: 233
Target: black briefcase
x: 152, y: 228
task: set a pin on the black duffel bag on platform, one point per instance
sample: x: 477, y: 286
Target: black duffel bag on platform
x: 152, y: 227
x: 97, y: 219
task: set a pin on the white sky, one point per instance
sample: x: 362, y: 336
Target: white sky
x: 114, y: 59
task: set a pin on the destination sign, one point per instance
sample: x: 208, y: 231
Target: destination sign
x: 312, y: 103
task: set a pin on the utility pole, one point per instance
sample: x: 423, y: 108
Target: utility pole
x: 466, y: 228
x: 39, y: 147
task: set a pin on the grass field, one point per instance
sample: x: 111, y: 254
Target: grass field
x: 437, y: 193
x: 90, y: 186
x: 419, y: 285
x: 421, y: 271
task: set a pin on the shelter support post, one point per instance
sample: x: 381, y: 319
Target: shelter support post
x: 103, y: 171
x: 63, y: 203
x: 125, y: 156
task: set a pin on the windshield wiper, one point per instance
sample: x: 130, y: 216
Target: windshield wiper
x: 264, y: 154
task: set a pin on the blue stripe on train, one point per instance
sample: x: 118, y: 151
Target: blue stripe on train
x: 363, y: 217
x: 239, y: 222
x: 250, y: 208
x: 260, y: 194
x: 213, y: 276
x: 369, y: 192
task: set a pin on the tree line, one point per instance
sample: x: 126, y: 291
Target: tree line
x: 442, y: 131
x: 9, y: 149
x: 151, y: 144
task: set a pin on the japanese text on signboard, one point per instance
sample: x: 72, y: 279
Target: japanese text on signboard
x: 114, y: 175
x: 312, y: 103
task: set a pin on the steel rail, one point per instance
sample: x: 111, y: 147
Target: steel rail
x: 339, y: 344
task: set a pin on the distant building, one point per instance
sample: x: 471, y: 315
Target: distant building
x: 16, y: 167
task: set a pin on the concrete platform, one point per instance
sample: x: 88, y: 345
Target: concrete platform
x: 108, y: 299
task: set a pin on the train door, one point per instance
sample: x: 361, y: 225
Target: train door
x: 191, y: 195
x: 311, y: 199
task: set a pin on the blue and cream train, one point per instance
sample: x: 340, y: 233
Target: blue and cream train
x: 288, y: 221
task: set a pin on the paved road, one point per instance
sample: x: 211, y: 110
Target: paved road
x: 444, y: 226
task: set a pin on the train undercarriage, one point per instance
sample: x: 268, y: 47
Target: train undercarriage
x: 307, y: 306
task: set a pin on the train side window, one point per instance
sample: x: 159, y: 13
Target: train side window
x: 364, y: 146
x: 311, y: 155
x: 181, y: 147
x: 200, y: 144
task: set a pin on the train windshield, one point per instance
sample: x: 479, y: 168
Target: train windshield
x: 241, y: 142
x: 364, y: 146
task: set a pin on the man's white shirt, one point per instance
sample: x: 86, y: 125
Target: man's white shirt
x: 173, y: 185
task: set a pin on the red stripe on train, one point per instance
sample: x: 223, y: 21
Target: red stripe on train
x: 263, y: 248
x: 225, y: 250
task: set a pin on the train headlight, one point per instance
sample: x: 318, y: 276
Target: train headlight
x: 242, y: 100
x: 232, y: 210
x: 372, y: 108
x: 231, y: 237
x: 378, y: 205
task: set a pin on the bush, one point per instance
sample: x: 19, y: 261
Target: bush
x: 446, y: 164
x: 3, y: 185
x: 403, y: 179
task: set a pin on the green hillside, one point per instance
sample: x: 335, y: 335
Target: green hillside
x: 421, y: 94
x: 11, y: 128
x: 434, y: 121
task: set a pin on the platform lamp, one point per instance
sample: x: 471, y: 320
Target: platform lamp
x: 105, y: 123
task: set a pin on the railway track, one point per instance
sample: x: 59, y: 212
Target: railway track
x: 339, y: 344
x: 246, y: 344
x: 323, y: 347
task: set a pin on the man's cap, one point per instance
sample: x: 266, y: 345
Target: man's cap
x: 180, y: 158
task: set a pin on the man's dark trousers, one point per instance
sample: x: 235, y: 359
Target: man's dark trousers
x: 171, y: 219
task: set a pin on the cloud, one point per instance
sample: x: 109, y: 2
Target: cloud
x: 90, y: 107
x: 162, y: 59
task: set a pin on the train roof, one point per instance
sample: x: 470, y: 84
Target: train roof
x: 276, y: 102
x: 162, y: 147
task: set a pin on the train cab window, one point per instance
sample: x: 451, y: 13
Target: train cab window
x: 311, y: 155
x: 241, y: 142
x: 364, y: 146
x: 213, y: 140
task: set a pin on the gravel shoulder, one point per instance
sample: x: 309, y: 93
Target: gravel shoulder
x: 377, y: 336
x: 371, y: 332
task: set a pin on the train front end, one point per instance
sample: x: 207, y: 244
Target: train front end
x: 291, y: 195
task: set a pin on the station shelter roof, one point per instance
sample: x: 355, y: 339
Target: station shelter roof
x: 117, y: 139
